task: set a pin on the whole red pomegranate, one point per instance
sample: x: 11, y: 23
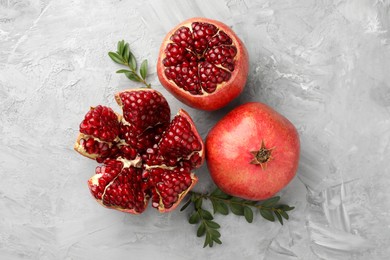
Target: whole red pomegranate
x: 145, y: 155
x: 203, y: 63
x: 252, y: 152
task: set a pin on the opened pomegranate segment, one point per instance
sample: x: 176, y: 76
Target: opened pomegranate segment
x: 178, y: 141
x: 119, y: 187
x: 101, y: 122
x: 144, y: 155
x: 143, y: 109
x: 169, y: 186
x: 200, y: 57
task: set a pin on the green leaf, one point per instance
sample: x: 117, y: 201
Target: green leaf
x: 198, y: 203
x: 216, y: 239
x: 126, y: 52
x: 132, y: 62
x: 214, y: 233
x: 194, y: 198
x: 217, y: 192
x: 207, y: 240
x: 285, y: 207
x: 235, y: 199
x: 120, y: 46
x: 220, y: 194
x: 185, y: 205
x: 279, y: 217
x: 214, y: 203
x: 250, y: 202
x: 219, y: 206
x: 133, y: 76
x: 270, y: 202
x: 116, y: 58
x: 222, y: 208
x: 267, y: 214
x: 124, y: 71
x: 194, y: 218
x: 212, y: 224
x: 248, y: 213
x: 237, y: 209
x: 201, y: 230
x: 144, y: 69
x: 284, y: 214
x: 206, y: 214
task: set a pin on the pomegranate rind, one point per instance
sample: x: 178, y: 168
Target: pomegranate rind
x: 229, y: 147
x: 224, y: 93
x: 80, y: 149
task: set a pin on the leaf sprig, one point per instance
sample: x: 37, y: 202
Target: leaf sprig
x: 207, y: 226
x: 223, y: 203
x: 124, y: 56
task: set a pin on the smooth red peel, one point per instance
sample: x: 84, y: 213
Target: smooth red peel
x: 253, y: 152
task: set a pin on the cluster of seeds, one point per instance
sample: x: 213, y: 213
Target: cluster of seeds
x: 199, y: 59
x: 145, y: 155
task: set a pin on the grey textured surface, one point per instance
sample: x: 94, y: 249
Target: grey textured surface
x: 323, y: 64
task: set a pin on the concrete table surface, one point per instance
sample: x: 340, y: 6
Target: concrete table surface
x: 325, y: 65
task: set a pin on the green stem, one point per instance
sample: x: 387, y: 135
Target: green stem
x: 141, y: 79
x: 242, y: 203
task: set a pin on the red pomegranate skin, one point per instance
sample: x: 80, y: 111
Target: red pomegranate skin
x: 229, y: 145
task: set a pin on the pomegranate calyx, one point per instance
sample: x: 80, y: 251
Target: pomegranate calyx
x: 262, y: 156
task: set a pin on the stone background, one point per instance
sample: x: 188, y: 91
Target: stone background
x: 323, y: 64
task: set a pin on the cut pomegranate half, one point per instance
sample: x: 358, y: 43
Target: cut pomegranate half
x: 203, y: 63
x: 144, y: 155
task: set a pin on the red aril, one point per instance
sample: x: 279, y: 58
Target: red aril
x: 144, y: 154
x: 252, y: 152
x: 203, y: 63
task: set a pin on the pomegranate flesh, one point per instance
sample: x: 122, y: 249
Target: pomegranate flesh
x: 145, y: 156
x: 252, y: 152
x: 203, y: 63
